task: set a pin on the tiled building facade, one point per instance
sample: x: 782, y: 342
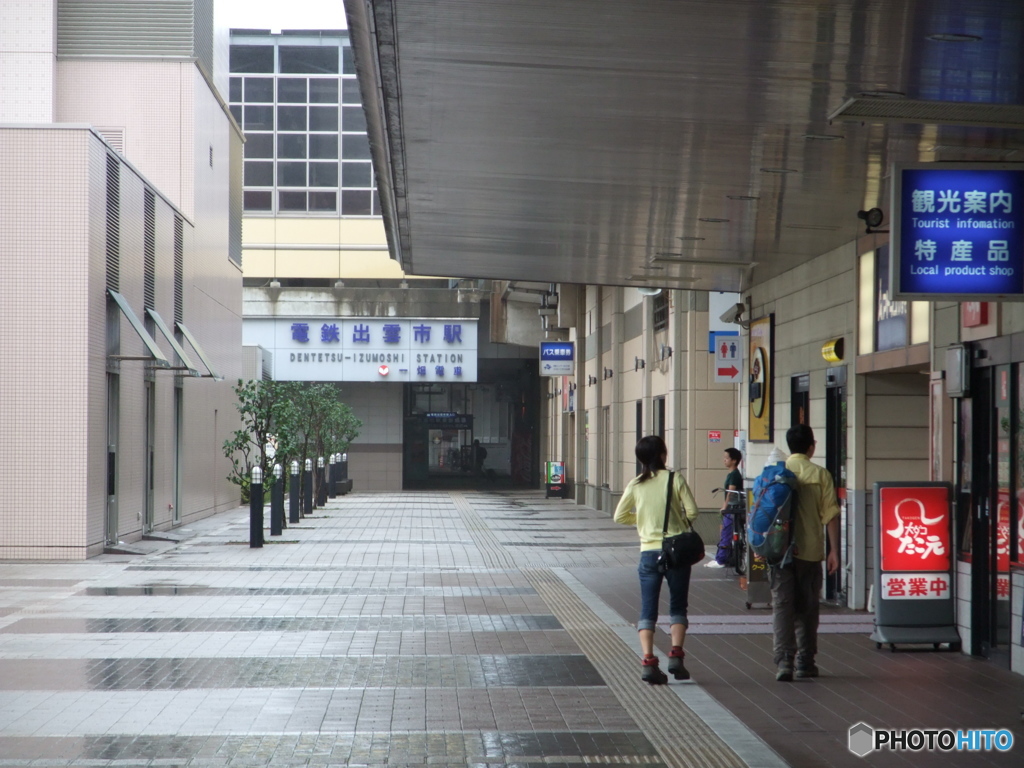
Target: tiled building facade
x: 116, y: 157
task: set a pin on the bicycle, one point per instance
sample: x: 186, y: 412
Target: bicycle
x: 737, y: 510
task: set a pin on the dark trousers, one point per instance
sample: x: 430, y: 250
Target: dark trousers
x: 795, y: 591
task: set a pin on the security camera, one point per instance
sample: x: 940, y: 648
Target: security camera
x: 733, y: 313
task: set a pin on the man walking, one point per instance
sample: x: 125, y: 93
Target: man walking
x: 731, y: 504
x: 796, y: 587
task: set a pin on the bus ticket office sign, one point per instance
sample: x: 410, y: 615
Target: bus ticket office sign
x: 958, y: 231
x: 914, y: 601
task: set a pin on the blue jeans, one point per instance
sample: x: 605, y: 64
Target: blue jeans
x: 650, y: 590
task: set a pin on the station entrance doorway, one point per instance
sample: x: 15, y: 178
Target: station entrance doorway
x: 479, y: 435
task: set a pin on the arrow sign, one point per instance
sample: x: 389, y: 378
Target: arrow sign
x: 728, y: 352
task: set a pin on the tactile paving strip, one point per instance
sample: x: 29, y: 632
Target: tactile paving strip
x: 681, y: 737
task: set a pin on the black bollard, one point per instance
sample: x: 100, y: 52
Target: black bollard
x: 293, y: 495
x: 256, y: 509
x: 345, y: 485
x: 332, y: 492
x: 277, y: 502
x: 321, y: 483
x: 307, y: 489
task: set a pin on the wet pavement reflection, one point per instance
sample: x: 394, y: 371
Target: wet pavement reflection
x: 314, y: 672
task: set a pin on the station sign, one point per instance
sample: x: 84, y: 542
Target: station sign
x: 557, y: 358
x: 958, y: 232
x: 367, y: 349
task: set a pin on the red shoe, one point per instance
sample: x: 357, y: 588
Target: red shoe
x: 651, y: 674
x: 675, y: 664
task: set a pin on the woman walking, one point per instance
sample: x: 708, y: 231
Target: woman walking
x: 643, y: 505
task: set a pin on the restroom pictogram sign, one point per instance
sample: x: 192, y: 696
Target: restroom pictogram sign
x: 728, y: 358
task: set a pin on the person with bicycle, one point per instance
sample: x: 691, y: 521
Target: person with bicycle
x: 732, y: 505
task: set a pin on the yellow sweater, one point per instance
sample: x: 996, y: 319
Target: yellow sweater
x: 643, y: 505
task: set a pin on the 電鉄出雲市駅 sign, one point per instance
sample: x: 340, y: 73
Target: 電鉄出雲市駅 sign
x: 957, y: 231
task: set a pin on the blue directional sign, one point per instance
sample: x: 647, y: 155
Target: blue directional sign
x: 557, y: 358
x: 958, y: 232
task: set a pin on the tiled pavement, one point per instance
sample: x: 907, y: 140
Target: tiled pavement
x: 461, y: 629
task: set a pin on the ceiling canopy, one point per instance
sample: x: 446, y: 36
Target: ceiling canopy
x: 672, y: 143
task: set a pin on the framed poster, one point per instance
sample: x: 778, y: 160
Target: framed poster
x: 759, y: 388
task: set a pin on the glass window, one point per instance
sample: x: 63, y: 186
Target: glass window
x: 291, y: 201
x: 323, y: 174
x: 305, y: 59
x: 236, y: 112
x: 323, y: 90
x: 251, y: 58
x: 259, y: 89
x: 349, y: 59
x: 353, y: 119
x: 259, y: 174
x: 257, y: 201
x: 355, y: 147
x: 350, y: 91
x: 355, y: 202
x: 323, y: 147
x: 291, y: 118
x: 291, y: 90
x: 291, y: 174
x: 291, y: 147
x: 355, y: 175
x: 259, y: 118
x: 235, y: 89
x: 323, y: 201
x: 323, y: 119
x: 259, y: 145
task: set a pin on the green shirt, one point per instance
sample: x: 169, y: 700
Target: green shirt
x: 643, y: 505
x: 816, y: 505
x: 734, y: 478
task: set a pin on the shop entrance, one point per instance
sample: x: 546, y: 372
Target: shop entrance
x: 835, y: 463
x: 991, y: 482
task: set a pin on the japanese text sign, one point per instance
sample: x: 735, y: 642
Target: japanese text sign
x: 958, y: 232
x: 915, y: 529
x: 367, y: 349
x: 914, y: 577
x: 557, y: 358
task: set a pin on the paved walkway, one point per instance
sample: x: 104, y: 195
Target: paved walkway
x: 458, y: 629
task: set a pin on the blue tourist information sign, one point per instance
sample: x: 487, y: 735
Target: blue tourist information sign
x: 958, y: 232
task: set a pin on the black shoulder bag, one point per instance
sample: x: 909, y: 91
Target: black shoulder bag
x: 681, y: 551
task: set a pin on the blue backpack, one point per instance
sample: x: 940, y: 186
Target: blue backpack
x: 770, y: 522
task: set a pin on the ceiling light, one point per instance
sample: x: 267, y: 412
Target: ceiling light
x: 688, y: 238
x: 778, y: 170
x: 816, y: 227
x: 679, y: 258
x: 743, y: 197
x: 823, y: 136
x: 881, y: 95
x: 953, y: 37
x: 647, y: 279
x: 712, y: 220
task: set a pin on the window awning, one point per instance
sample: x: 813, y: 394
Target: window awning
x: 155, y: 355
x: 162, y: 327
x: 199, y: 351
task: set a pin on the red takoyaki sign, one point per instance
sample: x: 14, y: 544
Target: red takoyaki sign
x: 915, y: 529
